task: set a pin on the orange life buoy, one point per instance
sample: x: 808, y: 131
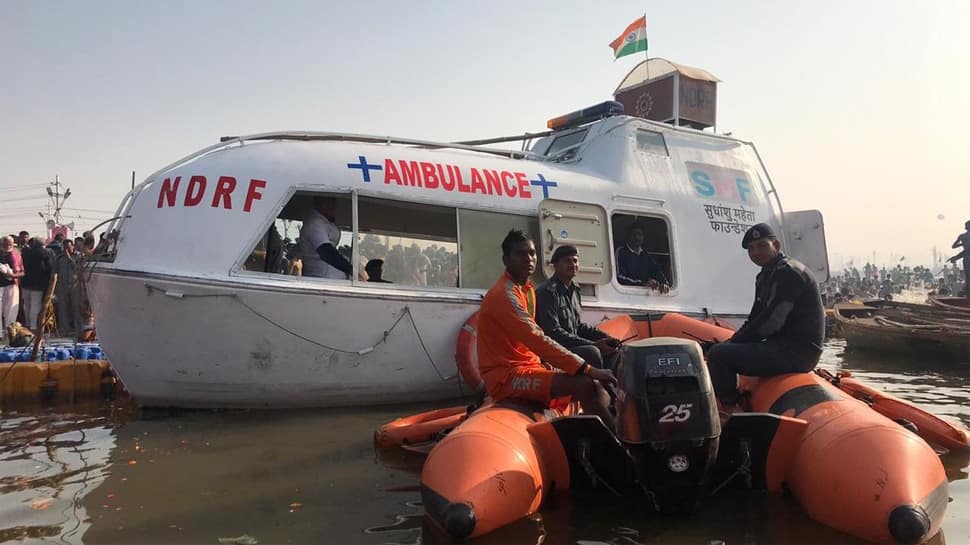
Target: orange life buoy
x: 418, y: 428
x: 466, y: 353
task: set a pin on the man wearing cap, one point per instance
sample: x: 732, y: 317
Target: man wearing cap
x: 786, y: 326
x: 559, y: 312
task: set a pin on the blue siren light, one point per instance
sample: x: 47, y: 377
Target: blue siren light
x: 592, y: 113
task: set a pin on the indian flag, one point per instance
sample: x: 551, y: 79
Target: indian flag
x: 633, y: 39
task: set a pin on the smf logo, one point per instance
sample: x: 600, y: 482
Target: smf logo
x: 723, y: 184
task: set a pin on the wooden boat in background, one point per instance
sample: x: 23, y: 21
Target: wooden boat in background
x: 931, y: 336
x: 922, y: 311
x: 956, y: 304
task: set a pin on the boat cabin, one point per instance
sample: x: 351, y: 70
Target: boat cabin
x: 435, y: 213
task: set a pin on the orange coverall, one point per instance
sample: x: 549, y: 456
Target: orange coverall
x: 511, y: 344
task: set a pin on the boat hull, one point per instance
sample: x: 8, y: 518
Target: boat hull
x: 488, y: 473
x: 958, y: 304
x: 224, y: 343
x: 855, y: 470
x: 203, y: 345
x: 948, y: 342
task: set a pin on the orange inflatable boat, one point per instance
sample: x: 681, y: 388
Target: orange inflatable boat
x: 849, y: 466
x: 854, y: 469
x: 940, y: 434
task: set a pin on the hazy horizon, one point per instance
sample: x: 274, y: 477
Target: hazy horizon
x: 857, y: 109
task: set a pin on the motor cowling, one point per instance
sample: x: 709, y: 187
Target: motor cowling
x: 667, y: 419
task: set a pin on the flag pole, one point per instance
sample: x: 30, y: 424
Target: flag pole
x: 646, y: 50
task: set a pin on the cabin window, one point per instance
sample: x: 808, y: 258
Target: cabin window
x: 564, y: 141
x: 481, y: 245
x: 278, y: 250
x: 642, y: 250
x: 652, y: 142
x: 418, y: 243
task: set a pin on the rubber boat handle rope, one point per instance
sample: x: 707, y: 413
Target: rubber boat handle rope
x: 405, y: 311
x: 700, y: 338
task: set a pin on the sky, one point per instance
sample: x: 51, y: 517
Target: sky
x: 858, y: 108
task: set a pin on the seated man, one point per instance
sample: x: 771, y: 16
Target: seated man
x: 786, y: 326
x: 636, y: 267
x: 319, y: 238
x: 559, y: 312
x: 512, y: 347
x: 375, y: 271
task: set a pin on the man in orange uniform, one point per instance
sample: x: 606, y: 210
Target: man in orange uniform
x: 511, y: 346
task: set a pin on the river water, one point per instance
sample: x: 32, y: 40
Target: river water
x: 116, y: 474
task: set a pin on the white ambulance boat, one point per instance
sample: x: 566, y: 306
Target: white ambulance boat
x: 192, y: 313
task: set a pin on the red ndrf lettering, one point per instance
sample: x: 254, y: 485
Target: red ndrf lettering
x: 166, y: 195
x: 224, y: 190
x: 524, y: 191
x: 494, y: 182
x: 253, y: 193
x: 195, y: 190
x: 430, y: 175
x: 507, y: 178
x: 390, y: 172
x: 411, y: 173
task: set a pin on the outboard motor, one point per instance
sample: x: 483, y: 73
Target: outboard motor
x: 667, y: 419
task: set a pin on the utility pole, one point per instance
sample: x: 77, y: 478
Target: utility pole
x: 57, y: 197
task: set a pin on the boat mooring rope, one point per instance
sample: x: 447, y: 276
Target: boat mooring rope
x: 405, y: 311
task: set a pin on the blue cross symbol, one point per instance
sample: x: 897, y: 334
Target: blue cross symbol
x: 364, y: 167
x: 546, y: 184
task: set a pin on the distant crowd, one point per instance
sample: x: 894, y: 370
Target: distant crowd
x: 28, y: 268
x: 872, y: 282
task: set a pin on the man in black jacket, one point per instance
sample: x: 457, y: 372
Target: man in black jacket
x: 38, y: 266
x: 559, y: 313
x: 786, y: 326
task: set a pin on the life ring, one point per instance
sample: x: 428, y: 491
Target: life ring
x: 466, y: 353
x: 419, y: 428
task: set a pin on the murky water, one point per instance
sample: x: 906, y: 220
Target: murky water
x: 118, y: 475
